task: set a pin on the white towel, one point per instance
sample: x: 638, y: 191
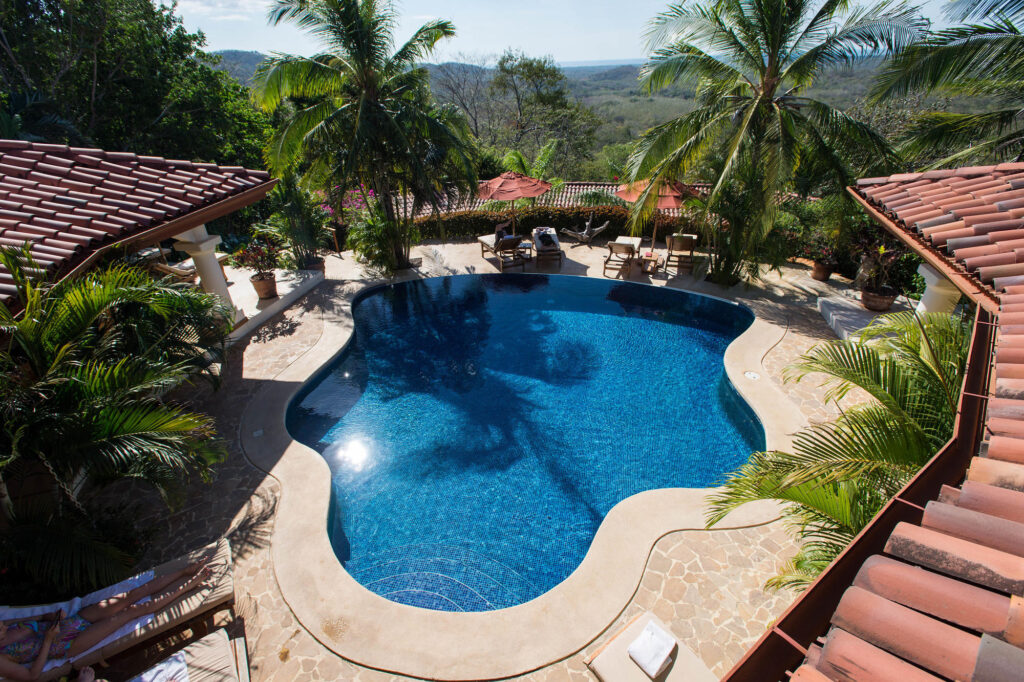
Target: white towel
x: 174, y: 669
x: 652, y: 650
x: 73, y: 606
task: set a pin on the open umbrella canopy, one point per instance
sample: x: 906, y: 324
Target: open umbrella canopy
x: 512, y: 186
x: 670, y: 195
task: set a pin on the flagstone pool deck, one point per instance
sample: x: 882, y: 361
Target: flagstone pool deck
x: 708, y: 585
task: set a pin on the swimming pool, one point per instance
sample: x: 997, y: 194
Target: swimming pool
x: 479, y: 427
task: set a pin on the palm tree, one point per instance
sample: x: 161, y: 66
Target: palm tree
x: 84, y: 368
x: 751, y: 63
x: 975, y: 60
x: 364, y: 114
x: 840, y: 474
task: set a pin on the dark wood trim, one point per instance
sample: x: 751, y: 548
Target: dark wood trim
x: 970, y: 286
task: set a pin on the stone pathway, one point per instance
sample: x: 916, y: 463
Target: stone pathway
x: 707, y: 585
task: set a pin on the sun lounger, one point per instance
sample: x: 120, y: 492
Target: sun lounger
x: 680, y: 252
x: 586, y: 235
x: 544, y: 252
x: 193, y: 607
x: 621, y: 254
x: 509, y: 251
x: 214, y: 658
x: 612, y: 662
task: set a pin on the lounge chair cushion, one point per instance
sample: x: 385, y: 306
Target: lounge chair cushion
x: 611, y: 662
x: 212, y: 659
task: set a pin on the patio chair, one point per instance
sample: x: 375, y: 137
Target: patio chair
x: 586, y: 236
x: 680, y: 252
x: 194, y: 610
x: 612, y: 662
x: 487, y: 241
x: 620, y: 254
x: 509, y: 252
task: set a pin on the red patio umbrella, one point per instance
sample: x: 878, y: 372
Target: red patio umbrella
x: 511, y: 186
x: 671, y: 195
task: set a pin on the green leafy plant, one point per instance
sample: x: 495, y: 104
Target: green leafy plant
x: 840, y: 474
x: 260, y: 257
x: 300, y: 220
x: 85, y: 364
x: 371, y: 236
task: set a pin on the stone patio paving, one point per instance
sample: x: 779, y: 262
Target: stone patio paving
x: 707, y: 585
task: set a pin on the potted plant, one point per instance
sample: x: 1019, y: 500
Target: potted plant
x: 876, y: 293
x: 818, y: 246
x: 302, y: 221
x: 261, y: 258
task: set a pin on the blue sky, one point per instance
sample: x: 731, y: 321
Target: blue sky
x: 568, y: 30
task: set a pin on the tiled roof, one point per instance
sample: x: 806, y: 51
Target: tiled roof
x: 570, y: 194
x: 69, y: 202
x: 933, y: 587
x: 973, y: 217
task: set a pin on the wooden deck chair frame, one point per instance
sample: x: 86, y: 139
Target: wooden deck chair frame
x: 621, y: 254
x: 680, y: 252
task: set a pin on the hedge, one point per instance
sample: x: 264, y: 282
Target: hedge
x: 472, y: 224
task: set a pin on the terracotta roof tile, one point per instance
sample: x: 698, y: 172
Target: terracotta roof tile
x: 66, y: 201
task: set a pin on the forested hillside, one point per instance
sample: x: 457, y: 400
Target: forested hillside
x: 621, y: 111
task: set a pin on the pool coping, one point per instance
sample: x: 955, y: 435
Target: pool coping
x: 371, y: 631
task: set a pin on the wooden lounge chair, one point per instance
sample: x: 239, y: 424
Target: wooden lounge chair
x: 509, y: 252
x: 620, y: 254
x: 547, y: 253
x: 586, y: 236
x: 194, y: 610
x: 487, y: 241
x: 680, y: 252
x: 214, y: 658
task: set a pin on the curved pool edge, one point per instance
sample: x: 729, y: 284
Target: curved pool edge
x: 372, y: 631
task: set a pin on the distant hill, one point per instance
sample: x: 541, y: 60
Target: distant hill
x: 240, y: 64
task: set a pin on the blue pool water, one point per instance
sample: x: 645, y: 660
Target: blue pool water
x: 480, y: 427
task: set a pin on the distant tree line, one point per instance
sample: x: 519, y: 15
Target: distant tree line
x: 121, y: 75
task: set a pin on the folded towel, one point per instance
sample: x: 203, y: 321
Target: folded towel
x: 652, y: 650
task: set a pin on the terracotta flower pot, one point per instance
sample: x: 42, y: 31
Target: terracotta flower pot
x: 265, y: 285
x: 821, y: 271
x: 877, y: 301
x: 317, y: 264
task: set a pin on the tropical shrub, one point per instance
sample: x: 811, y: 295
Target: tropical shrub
x: 300, y: 220
x: 371, y: 235
x: 83, y: 368
x: 472, y: 224
x: 840, y: 474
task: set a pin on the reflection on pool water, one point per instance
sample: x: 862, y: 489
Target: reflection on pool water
x: 480, y: 427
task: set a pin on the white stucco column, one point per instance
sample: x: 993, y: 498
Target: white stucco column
x: 940, y: 295
x: 199, y: 244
